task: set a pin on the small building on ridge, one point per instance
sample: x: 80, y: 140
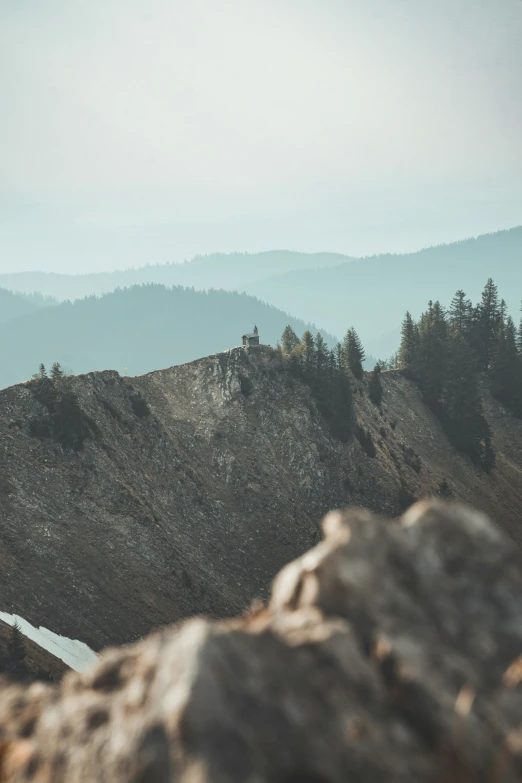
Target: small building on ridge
x: 252, y: 338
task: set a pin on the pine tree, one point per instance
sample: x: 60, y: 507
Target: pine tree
x: 519, y: 341
x: 375, y: 386
x: 308, y: 354
x: 409, y: 342
x: 42, y: 372
x: 56, y: 370
x: 431, y: 360
x: 488, y: 317
x: 460, y: 313
x: 342, y: 399
x: 339, y: 357
x: 393, y: 362
x: 289, y: 340
x: 354, y: 353
x: 16, y: 651
x: 506, y: 367
x: 461, y: 409
x: 321, y: 355
x: 511, y: 337
x: 330, y: 378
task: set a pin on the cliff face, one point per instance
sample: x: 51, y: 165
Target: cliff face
x: 185, y: 491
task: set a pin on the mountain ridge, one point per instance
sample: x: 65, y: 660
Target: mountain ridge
x: 374, y: 293
x: 141, y: 328
x: 185, y: 490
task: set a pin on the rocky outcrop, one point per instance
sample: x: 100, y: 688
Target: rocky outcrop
x: 186, y: 490
x: 392, y: 651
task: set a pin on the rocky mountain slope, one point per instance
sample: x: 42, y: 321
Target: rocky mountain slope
x: 138, y: 501
x: 389, y: 652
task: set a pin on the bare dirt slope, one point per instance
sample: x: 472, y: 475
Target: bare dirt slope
x: 194, y: 485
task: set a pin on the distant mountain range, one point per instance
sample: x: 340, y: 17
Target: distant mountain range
x: 142, y: 328
x: 13, y: 305
x: 328, y: 289
x: 232, y: 271
x: 374, y: 293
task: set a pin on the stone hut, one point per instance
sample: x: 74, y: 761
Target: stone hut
x: 252, y: 338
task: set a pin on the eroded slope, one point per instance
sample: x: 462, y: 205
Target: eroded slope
x: 189, y: 488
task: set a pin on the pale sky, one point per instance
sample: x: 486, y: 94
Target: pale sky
x: 145, y: 131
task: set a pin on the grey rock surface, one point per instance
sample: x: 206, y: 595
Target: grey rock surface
x: 196, y: 484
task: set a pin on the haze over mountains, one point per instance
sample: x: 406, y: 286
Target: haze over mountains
x: 218, y: 270
x: 374, y: 293
x: 329, y: 290
x: 142, y: 328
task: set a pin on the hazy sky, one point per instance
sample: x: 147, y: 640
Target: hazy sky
x: 135, y: 131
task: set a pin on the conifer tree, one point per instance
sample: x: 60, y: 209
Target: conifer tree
x: 339, y: 357
x: 506, y: 368
x: 375, y: 386
x: 409, y: 342
x: 432, y: 355
x: 487, y: 322
x: 321, y: 355
x: 56, y: 370
x: 331, y: 377
x: 16, y: 651
x: 308, y: 343
x: 393, y: 362
x: 342, y: 399
x: 354, y: 352
x: 42, y: 372
x: 460, y: 313
x: 289, y: 340
x: 462, y: 412
x: 511, y: 337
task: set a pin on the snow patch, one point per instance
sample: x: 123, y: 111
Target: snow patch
x: 72, y: 652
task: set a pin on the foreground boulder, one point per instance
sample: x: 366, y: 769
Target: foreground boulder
x: 390, y: 652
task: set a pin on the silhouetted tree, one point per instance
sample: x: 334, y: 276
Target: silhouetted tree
x: 289, y: 340
x: 327, y: 377
x: 460, y: 313
x: 308, y: 343
x: 506, y: 367
x: 487, y: 316
x: 431, y: 359
x: 321, y: 355
x: 375, y: 386
x: 461, y: 407
x: 42, y: 372
x: 16, y: 652
x: 354, y: 352
x: 393, y: 361
x: 409, y: 342
x: 56, y: 370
